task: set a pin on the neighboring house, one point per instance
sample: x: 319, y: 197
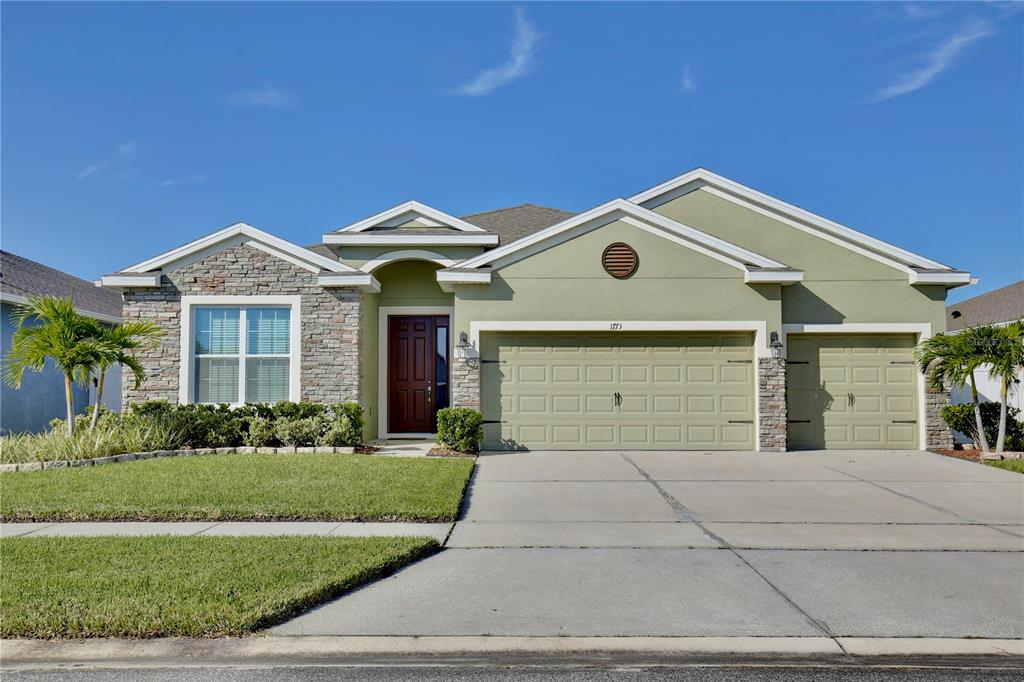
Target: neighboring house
x: 660, y: 321
x: 41, y: 396
x: 996, y: 307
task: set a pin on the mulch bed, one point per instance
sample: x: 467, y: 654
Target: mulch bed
x: 973, y: 455
x: 445, y: 452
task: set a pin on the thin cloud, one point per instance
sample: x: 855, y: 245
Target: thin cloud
x: 936, y: 61
x: 191, y: 180
x: 125, y: 153
x: 90, y: 170
x: 521, y: 59
x: 267, y: 95
x: 930, y: 10
x: 688, y: 82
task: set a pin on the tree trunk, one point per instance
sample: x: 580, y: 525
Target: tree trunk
x: 1003, y: 391
x: 69, y: 401
x: 982, y: 440
x: 99, y: 398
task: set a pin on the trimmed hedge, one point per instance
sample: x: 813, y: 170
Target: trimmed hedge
x: 261, y: 425
x: 961, y: 418
x: 460, y: 428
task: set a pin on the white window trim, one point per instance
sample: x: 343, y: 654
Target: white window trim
x: 759, y: 327
x: 384, y: 313
x: 186, y: 368
x: 921, y: 330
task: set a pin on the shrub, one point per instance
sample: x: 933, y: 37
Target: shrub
x: 260, y: 432
x: 961, y: 418
x: 300, y: 432
x: 460, y: 428
x: 113, y: 435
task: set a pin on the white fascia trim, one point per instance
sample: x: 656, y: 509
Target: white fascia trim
x: 407, y: 254
x: 481, y: 277
x: 923, y: 331
x: 770, y: 277
x: 187, y: 341
x: 735, y: 190
x: 957, y: 279
x: 759, y: 327
x: 374, y: 239
x: 363, y: 281
x: 147, y: 280
x: 257, y: 235
x: 7, y: 297
x: 383, y: 313
x: 637, y: 216
x: 411, y: 207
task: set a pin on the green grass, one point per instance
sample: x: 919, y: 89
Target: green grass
x: 1008, y: 464
x: 242, y: 487
x: 170, y: 586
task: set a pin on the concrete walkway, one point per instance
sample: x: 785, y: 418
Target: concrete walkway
x: 439, y: 531
x: 671, y: 544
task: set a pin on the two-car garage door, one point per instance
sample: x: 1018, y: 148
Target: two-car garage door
x: 587, y: 391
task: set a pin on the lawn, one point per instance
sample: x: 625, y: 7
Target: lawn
x: 1008, y: 464
x: 168, y: 586
x: 242, y: 487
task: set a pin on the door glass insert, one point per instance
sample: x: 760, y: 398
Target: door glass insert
x: 442, y: 367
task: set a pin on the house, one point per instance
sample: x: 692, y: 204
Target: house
x: 41, y: 396
x: 996, y: 307
x: 660, y: 321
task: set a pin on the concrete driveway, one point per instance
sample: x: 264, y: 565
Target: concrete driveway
x: 871, y: 544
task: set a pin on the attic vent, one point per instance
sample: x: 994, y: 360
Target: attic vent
x: 619, y: 260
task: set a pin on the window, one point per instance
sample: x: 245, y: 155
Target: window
x: 242, y: 354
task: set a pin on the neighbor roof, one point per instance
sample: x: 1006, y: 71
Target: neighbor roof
x: 21, y: 278
x: 516, y: 222
x: 1001, y: 305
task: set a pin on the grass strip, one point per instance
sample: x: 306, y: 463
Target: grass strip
x: 169, y: 586
x: 1008, y: 464
x: 242, y: 487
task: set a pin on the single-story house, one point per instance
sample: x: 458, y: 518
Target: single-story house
x: 41, y: 396
x: 998, y: 307
x: 697, y: 314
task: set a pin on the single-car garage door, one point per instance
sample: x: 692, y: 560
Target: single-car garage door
x: 850, y: 391
x: 595, y: 391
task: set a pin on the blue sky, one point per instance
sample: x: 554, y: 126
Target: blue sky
x: 129, y: 128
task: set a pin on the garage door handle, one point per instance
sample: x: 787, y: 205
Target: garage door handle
x: 618, y: 398
x: 904, y: 421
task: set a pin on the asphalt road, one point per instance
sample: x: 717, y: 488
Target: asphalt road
x: 521, y: 674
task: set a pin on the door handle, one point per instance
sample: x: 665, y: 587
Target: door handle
x: 430, y: 393
x: 618, y: 398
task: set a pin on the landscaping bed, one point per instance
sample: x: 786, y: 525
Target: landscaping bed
x: 163, y: 586
x: 1016, y: 464
x: 242, y: 487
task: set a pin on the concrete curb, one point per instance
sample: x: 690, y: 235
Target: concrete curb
x: 36, y: 654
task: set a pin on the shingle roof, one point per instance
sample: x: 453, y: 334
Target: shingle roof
x: 1001, y: 305
x: 23, y: 277
x: 516, y: 222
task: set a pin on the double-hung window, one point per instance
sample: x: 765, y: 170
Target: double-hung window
x: 241, y: 354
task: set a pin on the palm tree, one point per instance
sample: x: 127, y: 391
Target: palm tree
x: 952, y: 359
x: 1006, y: 355
x: 116, y: 342
x: 49, y: 327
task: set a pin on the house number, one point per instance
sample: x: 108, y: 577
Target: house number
x: 616, y: 325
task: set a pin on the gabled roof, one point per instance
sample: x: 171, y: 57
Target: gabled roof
x: 756, y: 268
x: 410, y: 210
x: 330, y: 271
x: 701, y: 178
x: 995, y: 307
x: 21, y: 278
x: 516, y: 222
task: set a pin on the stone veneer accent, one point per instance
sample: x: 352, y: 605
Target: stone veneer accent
x: 465, y: 379
x: 331, y: 333
x: 771, y: 399
x: 938, y: 436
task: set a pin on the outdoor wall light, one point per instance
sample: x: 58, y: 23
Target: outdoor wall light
x: 775, y: 344
x: 464, y: 347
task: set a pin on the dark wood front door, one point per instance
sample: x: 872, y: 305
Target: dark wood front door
x: 417, y: 372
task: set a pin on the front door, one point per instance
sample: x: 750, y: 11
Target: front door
x: 417, y: 372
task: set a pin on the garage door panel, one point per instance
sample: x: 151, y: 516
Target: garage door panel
x: 851, y: 389
x: 633, y: 393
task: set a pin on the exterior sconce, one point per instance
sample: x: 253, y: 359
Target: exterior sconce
x: 463, y: 350
x: 775, y: 345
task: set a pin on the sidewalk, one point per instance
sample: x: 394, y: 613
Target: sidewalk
x: 438, y: 531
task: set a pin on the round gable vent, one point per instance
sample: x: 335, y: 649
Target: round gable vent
x: 619, y: 260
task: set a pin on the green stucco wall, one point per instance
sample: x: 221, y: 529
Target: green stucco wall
x: 410, y: 282
x: 369, y: 357
x: 567, y: 282
x: 840, y: 285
